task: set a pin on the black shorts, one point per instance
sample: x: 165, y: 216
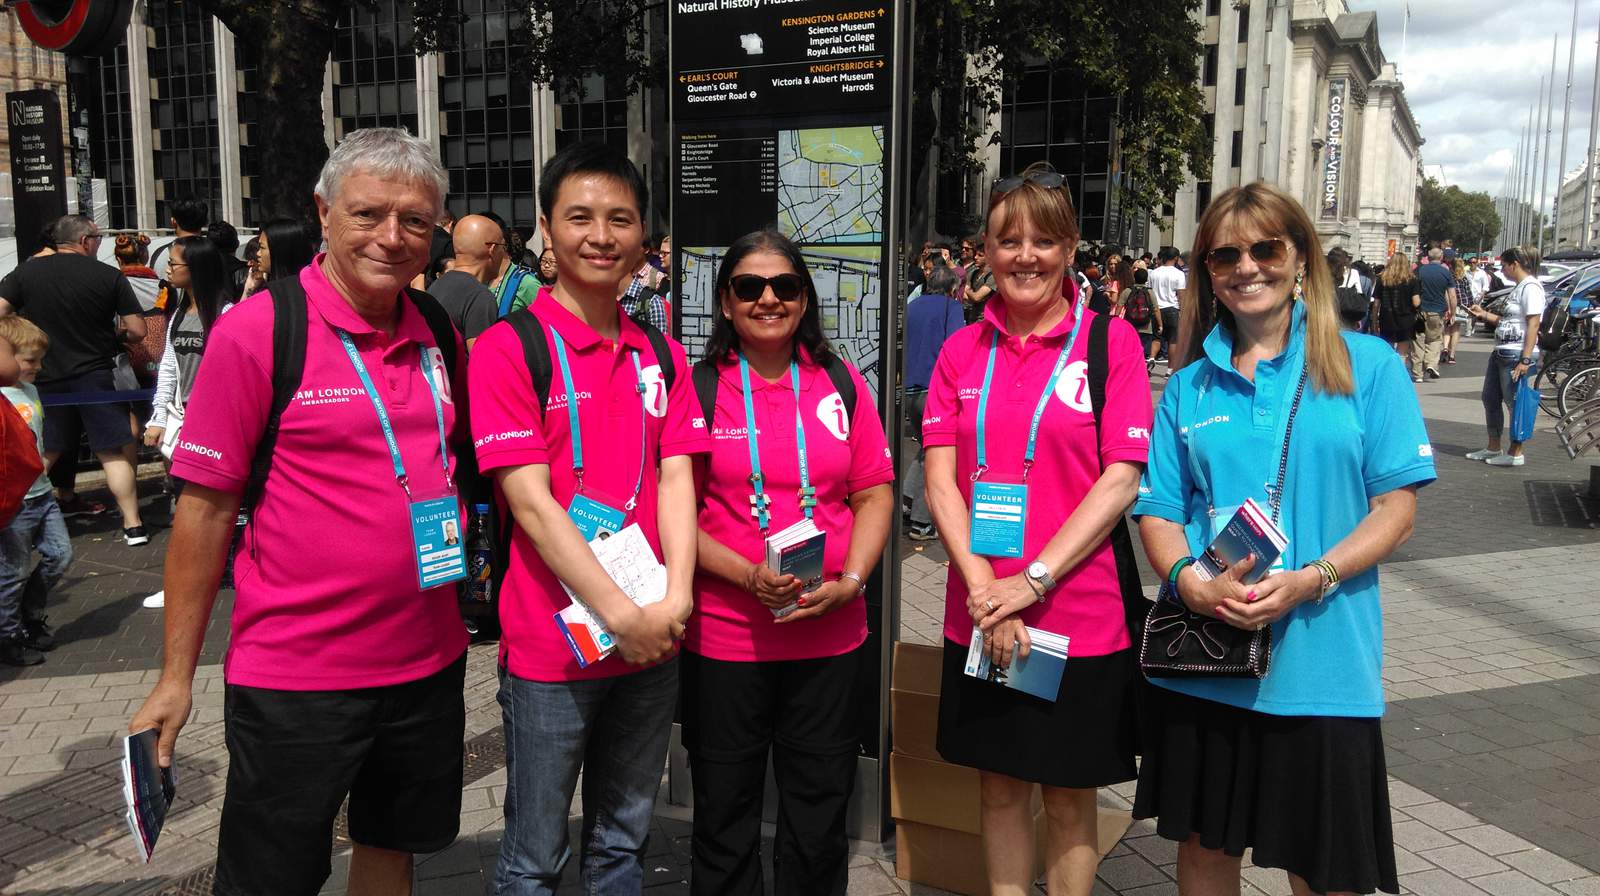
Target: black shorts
x: 293, y: 756
x: 107, y: 425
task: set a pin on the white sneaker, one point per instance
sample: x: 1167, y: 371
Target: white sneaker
x: 1506, y: 460
x: 1482, y: 454
x: 156, y: 601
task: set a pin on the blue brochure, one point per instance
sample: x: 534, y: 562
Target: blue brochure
x: 1039, y: 673
x: 1248, y: 531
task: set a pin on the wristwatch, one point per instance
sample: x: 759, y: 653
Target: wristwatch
x: 1038, y: 572
x: 1525, y: 361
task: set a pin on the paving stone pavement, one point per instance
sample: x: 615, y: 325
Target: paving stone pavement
x: 1492, y: 669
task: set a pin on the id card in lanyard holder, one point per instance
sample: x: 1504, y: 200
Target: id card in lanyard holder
x: 1217, y: 517
x: 998, y: 524
x: 595, y: 514
x: 436, y: 533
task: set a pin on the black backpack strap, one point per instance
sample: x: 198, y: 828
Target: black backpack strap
x: 1121, y: 541
x: 843, y: 383
x: 535, y: 352
x: 658, y: 344
x: 288, y: 366
x: 438, y: 320
x: 705, y: 376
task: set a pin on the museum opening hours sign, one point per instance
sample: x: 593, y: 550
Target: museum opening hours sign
x: 782, y: 112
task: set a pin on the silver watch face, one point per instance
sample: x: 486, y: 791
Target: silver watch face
x: 1037, y: 570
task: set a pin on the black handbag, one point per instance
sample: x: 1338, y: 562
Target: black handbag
x: 1180, y: 643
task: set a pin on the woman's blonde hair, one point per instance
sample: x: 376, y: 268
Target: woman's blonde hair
x: 1049, y: 209
x: 1397, y: 271
x: 1269, y: 211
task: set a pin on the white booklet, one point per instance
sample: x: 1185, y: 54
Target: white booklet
x: 798, y: 551
x: 630, y: 562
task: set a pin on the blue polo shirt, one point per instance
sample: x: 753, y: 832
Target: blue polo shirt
x: 1435, y: 279
x: 1216, y: 442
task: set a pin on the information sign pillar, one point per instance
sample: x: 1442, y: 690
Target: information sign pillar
x: 787, y: 114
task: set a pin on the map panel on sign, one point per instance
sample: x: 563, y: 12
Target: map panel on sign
x: 830, y: 185
x: 848, y: 281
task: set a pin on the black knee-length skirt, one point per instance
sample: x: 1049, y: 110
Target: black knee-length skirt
x: 1084, y: 739
x: 1308, y: 794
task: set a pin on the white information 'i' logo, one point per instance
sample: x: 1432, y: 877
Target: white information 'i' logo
x: 831, y: 411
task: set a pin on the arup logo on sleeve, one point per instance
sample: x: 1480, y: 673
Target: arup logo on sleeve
x: 1425, y: 450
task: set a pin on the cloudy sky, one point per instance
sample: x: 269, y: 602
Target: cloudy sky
x: 1471, y: 70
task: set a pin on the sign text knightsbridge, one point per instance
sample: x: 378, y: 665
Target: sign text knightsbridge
x: 1333, y: 154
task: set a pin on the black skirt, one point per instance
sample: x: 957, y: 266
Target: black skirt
x: 1084, y: 739
x: 1308, y: 794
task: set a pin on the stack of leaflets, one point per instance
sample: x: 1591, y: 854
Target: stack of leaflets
x: 1038, y: 673
x: 630, y: 562
x: 147, y: 789
x: 798, y: 551
x: 1250, y: 531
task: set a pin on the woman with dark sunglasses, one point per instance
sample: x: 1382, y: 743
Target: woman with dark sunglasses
x: 1027, y: 488
x: 1272, y: 403
x: 772, y: 655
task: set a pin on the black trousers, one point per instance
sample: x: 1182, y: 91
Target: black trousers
x: 806, y: 713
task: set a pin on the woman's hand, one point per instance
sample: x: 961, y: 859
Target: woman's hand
x: 1206, y: 598
x: 828, y: 597
x: 153, y: 434
x: 1519, y: 371
x: 1269, y: 599
x: 1000, y: 599
x: 1008, y: 639
x: 774, y: 591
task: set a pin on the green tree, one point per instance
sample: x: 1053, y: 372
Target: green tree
x: 1146, y: 52
x: 1450, y: 213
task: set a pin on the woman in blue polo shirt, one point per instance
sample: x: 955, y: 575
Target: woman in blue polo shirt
x: 1291, y: 765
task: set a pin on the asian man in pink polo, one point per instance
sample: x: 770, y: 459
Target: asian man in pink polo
x: 609, y: 450
x: 346, y: 654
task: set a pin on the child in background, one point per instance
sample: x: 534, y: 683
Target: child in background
x: 39, y: 524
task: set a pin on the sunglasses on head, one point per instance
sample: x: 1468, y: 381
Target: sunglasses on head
x: 1224, y: 259
x: 750, y: 287
x: 1050, y: 180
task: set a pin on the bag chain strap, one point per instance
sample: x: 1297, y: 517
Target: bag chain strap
x: 1276, y: 498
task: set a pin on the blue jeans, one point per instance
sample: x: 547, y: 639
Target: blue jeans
x: 615, y: 730
x: 38, y: 524
x: 913, y: 480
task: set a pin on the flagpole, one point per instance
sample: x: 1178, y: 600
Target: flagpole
x: 1588, y: 160
x: 1530, y: 163
x: 1549, y: 125
x: 1405, y: 25
x: 1566, y: 117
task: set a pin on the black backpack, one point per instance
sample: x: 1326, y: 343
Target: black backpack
x: 1137, y: 310
x: 1352, y: 304
x: 706, y: 376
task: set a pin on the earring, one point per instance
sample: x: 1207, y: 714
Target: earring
x: 1299, y: 288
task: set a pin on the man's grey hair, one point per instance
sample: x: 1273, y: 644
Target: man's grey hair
x: 1436, y: 255
x: 940, y: 281
x: 68, y: 230
x: 387, y: 153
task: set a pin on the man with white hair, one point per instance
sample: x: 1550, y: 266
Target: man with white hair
x: 1438, y: 288
x: 346, y: 654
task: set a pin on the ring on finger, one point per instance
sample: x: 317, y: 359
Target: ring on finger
x: 989, y: 605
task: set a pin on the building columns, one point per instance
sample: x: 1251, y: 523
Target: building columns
x: 144, y: 168
x: 428, y: 119
x: 228, y: 141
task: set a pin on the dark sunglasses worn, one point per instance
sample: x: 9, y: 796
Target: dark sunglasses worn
x: 1050, y: 180
x: 1271, y: 253
x: 750, y: 287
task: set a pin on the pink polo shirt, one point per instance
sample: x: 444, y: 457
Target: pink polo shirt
x: 509, y: 431
x: 1086, y: 604
x: 327, y: 575
x: 846, y: 454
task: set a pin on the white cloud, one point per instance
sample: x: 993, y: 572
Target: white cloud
x: 1472, y: 70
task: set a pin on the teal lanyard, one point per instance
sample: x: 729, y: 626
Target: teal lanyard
x: 577, y: 427
x: 383, y: 412
x: 1038, y: 411
x: 759, y: 501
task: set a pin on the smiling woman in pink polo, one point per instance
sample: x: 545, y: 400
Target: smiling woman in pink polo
x: 771, y: 661
x: 1026, y: 487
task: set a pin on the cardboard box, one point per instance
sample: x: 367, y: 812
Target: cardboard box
x: 954, y: 861
x: 934, y: 793
x: 914, y: 699
x: 951, y: 860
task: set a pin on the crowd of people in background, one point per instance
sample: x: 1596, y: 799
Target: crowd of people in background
x: 1030, y: 362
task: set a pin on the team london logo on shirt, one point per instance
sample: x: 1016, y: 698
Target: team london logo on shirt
x: 830, y: 410
x: 326, y: 395
x: 1072, y: 387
